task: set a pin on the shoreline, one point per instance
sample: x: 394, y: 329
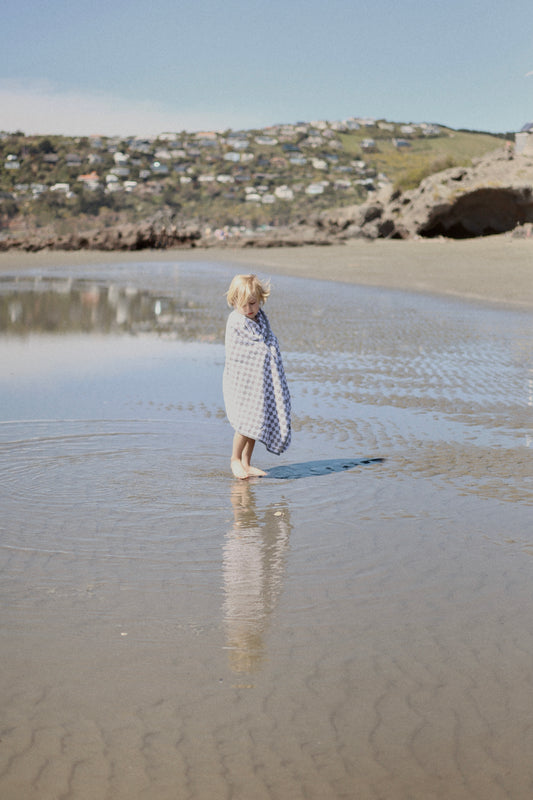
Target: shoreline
x: 495, y: 270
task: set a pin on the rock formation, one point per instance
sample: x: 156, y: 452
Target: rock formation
x: 493, y: 196
x: 143, y: 236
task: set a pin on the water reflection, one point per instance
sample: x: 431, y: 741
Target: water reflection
x: 253, y: 568
x: 59, y: 305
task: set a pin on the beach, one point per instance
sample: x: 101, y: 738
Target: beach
x: 356, y: 623
x: 495, y: 269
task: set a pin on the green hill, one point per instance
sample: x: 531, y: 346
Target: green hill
x: 249, y: 179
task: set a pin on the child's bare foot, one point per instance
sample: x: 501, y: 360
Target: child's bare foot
x: 255, y: 472
x: 238, y: 469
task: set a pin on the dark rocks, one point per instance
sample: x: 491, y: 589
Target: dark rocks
x: 146, y: 236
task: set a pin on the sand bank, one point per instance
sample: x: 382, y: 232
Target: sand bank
x: 496, y: 270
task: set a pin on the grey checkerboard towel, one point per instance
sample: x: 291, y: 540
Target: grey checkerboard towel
x: 256, y: 395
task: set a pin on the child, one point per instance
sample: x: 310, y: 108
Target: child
x: 256, y: 395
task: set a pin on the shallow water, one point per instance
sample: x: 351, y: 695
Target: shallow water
x: 357, y: 624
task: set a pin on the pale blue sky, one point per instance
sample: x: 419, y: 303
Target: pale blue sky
x: 111, y: 66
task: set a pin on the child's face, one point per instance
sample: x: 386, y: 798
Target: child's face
x: 250, y: 308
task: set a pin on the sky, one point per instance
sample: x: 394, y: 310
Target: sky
x: 111, y: 67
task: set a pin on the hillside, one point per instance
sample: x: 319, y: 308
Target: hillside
x: 224, y: 184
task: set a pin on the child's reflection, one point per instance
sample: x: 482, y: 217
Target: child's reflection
x: 253, y: 564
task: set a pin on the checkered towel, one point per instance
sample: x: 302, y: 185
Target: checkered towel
x: 256, y: 395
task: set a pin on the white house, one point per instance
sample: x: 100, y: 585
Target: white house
x: 524, y: 140
x: 159, y: 169
x: 284, y: 193
x: 12, y: 162
x: 120, y: 159
x: 342, y: 184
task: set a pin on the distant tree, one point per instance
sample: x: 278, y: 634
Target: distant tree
x: 45, y: 146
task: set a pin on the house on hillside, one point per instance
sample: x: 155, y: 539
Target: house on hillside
x: 266, y: 141
x: 120, y: 159
x: 315, y: 188
x: 524, y: 140
x: 401, y: 144
x: 284, y: 193
x: 429, y: 129
x: 120, y: 172
x: 206, y: 136
x: 158, y: 168
x: 91, y: 180
x: 314, y: 140
x: 11, y: 162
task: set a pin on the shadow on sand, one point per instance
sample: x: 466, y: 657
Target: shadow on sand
x: 308, y: 468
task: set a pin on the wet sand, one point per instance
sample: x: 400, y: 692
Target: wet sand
x: 357, y: 624
x: 496, y: 269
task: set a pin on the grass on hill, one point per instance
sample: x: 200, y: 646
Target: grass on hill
x: 406, y: 167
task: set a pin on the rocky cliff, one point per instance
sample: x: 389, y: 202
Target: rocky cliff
x: 493, y: 196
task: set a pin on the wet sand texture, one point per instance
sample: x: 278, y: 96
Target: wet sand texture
x: 494, y: 269
x: 355, y: 625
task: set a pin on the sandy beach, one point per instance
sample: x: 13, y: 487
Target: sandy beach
x: 355, y: 625
x: 496, y: 269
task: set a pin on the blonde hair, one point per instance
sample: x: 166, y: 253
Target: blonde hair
x: 243, y: 287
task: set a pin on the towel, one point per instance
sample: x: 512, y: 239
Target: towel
x: 256, y: 394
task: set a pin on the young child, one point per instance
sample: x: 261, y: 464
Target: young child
x: 256, y: 395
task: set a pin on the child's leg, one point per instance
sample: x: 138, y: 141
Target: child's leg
x: 246, y: 458
x: 239, y: 443
x: 241, y: 455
